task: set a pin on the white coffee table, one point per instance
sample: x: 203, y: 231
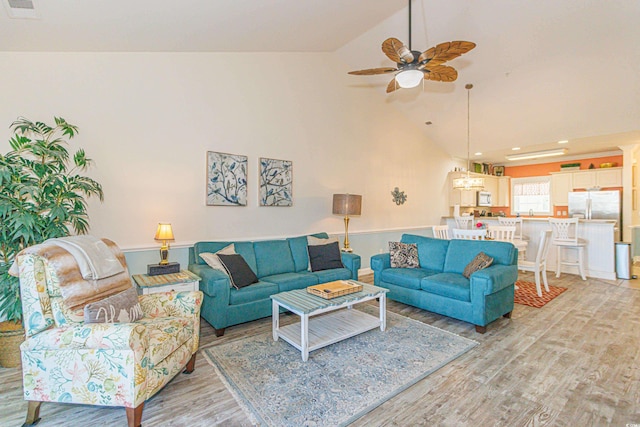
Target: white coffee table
x: 326, y: 321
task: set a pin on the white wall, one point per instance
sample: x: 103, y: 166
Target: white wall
x: 148, y: 120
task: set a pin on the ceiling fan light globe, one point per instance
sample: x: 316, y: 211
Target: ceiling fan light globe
x: 409, y: 78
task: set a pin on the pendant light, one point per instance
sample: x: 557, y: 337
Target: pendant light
x: 468, y: 182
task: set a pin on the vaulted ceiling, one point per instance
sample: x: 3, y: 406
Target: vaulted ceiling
x: 543, y: 71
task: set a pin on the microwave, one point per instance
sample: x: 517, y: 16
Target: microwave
x: 484, y: 198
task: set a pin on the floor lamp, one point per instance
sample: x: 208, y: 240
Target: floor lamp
x: 347, y: 204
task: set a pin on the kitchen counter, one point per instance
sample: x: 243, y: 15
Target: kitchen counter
x: 599, y: 234
x: 546, y: 219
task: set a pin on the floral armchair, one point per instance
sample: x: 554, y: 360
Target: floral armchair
x: 65, y: 359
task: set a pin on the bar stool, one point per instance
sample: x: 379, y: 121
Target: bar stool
x: 565, y: 236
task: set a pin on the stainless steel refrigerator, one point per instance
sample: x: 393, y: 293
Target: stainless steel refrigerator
x: 597, y: 205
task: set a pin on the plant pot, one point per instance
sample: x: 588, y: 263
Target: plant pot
x: 11, y: 336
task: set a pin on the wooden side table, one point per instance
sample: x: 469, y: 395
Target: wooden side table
x: 178, y: 282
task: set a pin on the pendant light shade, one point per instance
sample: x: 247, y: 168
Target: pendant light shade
x: 468, y: 182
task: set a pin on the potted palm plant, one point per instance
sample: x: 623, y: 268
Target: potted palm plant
x: 43, y: 194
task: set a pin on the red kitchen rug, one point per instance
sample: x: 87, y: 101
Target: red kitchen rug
x: 526, y: 294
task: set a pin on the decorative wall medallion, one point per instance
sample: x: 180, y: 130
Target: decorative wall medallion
x: 398, y: 196
x: 276, y: 182
x: 226, y: 179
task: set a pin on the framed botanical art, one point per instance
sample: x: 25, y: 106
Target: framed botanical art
x: 226, y: 179
x: 276, y: 182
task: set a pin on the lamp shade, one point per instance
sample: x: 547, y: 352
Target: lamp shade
x: 409, y: 78
x: 164, y: 232
x: 347, y: 204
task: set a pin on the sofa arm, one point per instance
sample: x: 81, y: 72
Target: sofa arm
x: 380, y: 262
x: 168, y: 304
x: 352, y: 262
x: 493, y: 279
x: 102, y: 336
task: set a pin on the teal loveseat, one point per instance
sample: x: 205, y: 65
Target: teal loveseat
x: 280, y: 265
x: 439, y: 286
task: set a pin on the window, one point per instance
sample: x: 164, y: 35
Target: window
x: 531, y: 196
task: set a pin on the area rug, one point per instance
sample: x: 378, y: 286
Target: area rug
x: 339, y: 383
x: 526, y: 294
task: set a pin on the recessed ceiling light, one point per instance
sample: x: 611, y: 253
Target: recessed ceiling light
x: 478, y: 154
x: 564, y: 141
x: 515, y: 148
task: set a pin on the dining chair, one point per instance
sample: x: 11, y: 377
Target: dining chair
x: 469, y: 234
x: 565, y: 236
x: 503, y: 233
x: 464, y: 222
x: 441, y: 231
x: 512, y: 221
x: 539, y: 266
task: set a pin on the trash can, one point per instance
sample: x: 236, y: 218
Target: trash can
x: 623, y: 260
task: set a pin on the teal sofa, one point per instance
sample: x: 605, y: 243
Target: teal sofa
x: 281, y: 265
x: 439, y: 286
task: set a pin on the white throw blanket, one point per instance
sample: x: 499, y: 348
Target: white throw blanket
x: 95, y: 259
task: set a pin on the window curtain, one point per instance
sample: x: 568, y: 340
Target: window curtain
x: 532, y: 188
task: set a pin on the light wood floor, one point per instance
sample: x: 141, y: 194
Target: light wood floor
x: 574, y: 362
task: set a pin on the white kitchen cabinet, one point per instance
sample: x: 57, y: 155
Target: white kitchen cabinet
x: 605, y: 177
x: 491, y: 186
x: 504, y: 191
x: 584, y: 179
x: 561, y: 186
x: 609, y: 177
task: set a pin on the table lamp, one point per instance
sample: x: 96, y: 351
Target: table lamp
x: 164, y: 233
x: 347, y: 204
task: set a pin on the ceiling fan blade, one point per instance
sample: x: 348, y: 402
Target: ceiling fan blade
x: 393, y: 85
x: 397, y: 51
x: 441, y: 73
x: 444, y: 52
x: 372, y: 71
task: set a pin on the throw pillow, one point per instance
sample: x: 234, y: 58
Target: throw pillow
x: 481, y: 261
x: 119, y: 308
x: 240, y: 274
x: 404, y: 255
x: 325, y: 257
x: 212, y: 259
x: 319, y: 241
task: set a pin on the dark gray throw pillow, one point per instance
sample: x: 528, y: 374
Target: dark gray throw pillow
x: 481, y: 261
x: 238, y: 270
x: 325, y: 257
x: 404, y: 255
x: 118, y: 308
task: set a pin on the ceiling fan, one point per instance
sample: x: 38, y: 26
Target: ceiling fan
x: 413, y: 66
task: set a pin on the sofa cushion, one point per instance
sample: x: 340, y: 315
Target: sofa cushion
x: 480, y: 262
x: 432, y: 253
x: 406, y: 277
x: 403, y: 255
x: 331, y: 275
x: 325, y: 257
x: 449, y: 285
x: 238, y: 270
x: 461, y: 252
x: 289, y: 281
x: 273, y: 257
x: 166, y: 335
x: 298, y: 246
x: 257, y: 291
